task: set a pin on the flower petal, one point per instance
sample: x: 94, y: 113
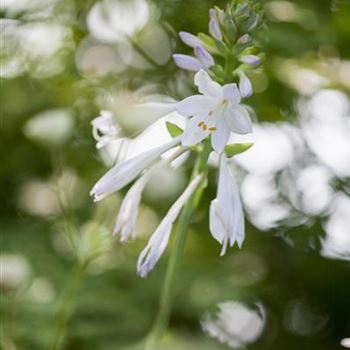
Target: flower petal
x: 189, y: 39
x: 125, y: 172
x: 220, y: 136
x: 245, y: 86
x: 187, y: 62
x: 194, y: 131
x: 195, y: 105
x: 204, y: 56
x: 231, y: 93
x: 206, y: 85
x: 159, y: 240
x: 238, y: 120
x: 226, y: 213
x: 127, y: 215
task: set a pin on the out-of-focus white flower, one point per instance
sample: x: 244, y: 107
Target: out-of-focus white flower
x: 104, y: 129
x: 236, y: 324
x: 126, y: 219
x: 159, y: 240
x: 125, y: 172
x: 226, y: 212
x: 216, y: 112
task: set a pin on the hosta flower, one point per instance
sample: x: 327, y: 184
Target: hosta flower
x: 226, y: 213
x: 216, y: 112
x: 160, y: 238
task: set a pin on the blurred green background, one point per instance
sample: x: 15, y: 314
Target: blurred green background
x: 288, y: 288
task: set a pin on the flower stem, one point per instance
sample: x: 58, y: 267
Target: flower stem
x: 162, y: 318
x: 67, y: 304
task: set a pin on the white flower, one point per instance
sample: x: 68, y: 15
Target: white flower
x: 216, y: 112
x: 226, y: 212
x: 104, y: 129
x: 159, y: 240
x: 126, y: 219
x: 126, y: 171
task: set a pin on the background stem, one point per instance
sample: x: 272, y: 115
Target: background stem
x: 66, y: 307
x: 163, y: 316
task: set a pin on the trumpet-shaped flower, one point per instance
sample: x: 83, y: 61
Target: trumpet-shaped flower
x: 126, y: 171
x: 216, y: 112
x: 126, y: 219
x: 159, y: 240
x: 226, y: 213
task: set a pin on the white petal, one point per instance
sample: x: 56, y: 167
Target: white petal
x: 195, y: 105
x: 126, y: 219
x: 216, y: 226
x: 204, y: 56
x: 226, y: 213
x: 125, y: 172
x: 237, y: 118
x: 231, y: 93
x: 245, y: 86
x: 189, y: 39
x: 206, y: 85
x: 187, y: 62
x: 159, y: 240
x: 194, y: 133
x: 220, y: 137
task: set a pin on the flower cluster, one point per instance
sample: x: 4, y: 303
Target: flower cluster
x: 222, y: 64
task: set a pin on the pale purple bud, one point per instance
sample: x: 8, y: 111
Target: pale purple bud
x: 214, y: 29
x: 204, y: 56
x: 187, y: 62
x: 245, y: 86
x: 189, y: 39
x: 252, y: 60
x: 245, y: 38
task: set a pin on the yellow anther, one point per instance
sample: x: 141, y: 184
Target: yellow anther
x: 204, y: 127
x: 213, y: 128
x: 200, y: 124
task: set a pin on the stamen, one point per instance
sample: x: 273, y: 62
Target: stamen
x: 213, y: 128
x: 205, y: 126
x: 200, y: 124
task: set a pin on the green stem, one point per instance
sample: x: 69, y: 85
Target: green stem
x: 66, y: 307
x: 162, y: 318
